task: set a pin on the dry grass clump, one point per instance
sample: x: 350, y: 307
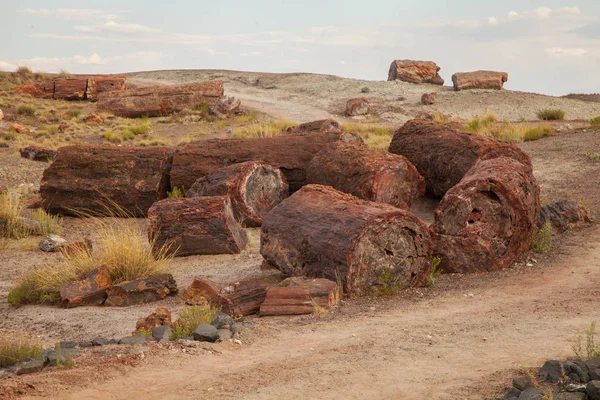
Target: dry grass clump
x: 14, y: 226
x: 542, y: 241
x: 111, y: 137
x: 26, y: 110
x: 551, y: 114
x: 250, y: 117
x: 73, y: 113
x: 16, y: 346
x: 489, y: 125
x: 262, y: 129
x: 190, y: 318
x: 592, y: 349
x: 375, y: 136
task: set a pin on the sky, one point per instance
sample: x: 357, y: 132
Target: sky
x: 546, y: 46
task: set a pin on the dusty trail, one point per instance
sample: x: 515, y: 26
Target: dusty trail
x: 433, y: 349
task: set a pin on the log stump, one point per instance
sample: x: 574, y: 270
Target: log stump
x: 290, y: 153
x: 97, y: 178
x: 444, y: 153
x: 479, y: 80
x: 141, y: 291
x: 298, y: 295
x: 319, y: 232
x: 254, y: 188
x: 195, y: 226
x: 368, y: 174
x: 489, y: 219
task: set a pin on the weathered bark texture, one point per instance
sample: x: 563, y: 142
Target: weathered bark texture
x: 563, y: 214
x: 102, y: 84
x: 298, y: 295
x: 141, y: 291
x: 242, y: 297
x: 156, y: 101
x: 194, y: 226
x: 70, y: 89
x: 319, y: 232
x: 443, y: 153
x: 415, y: 72
x: 489, y: 219
x: 254, y: 188
x: 37, y: 153
x: 368, y: 174
x: 95, y: 177
x: 88, y: 292
x: 42, y: 90
x: 479, y: 80
x: 290, y: 153
x: 320, y: 126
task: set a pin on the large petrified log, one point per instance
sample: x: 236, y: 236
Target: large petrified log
x: 415, y: 72
x: 70, y: 89
x: 563, y: 214
x: 242, y: 297
x: 92, y: 178
x: 194, y: 226
x: 320, y: 126
x: 479, y: 80
x: 102, y: 84
x: 298, y: 295
x: 254, y: 188
x: 368, y: 174
x: 156, y: 101
x: 90, y: 291
x: 443, y: 153
x: 319, y: 232
x: 141, y: 291
x: 42, y: 90
x: 489, y: 219
x: 290, y: 153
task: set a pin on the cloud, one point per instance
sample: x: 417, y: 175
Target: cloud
x: 566, y: 52
x: 492, y: 21
x: 69, y: 13
x: 117, y: 28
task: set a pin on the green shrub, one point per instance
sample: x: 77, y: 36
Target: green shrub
x: 128, y: 135
x: 595, y: 122
x: 26, y: 110
x: 551, y: 114
x: 542, y: 241
x: 111, y: 137
x: 538, y: 132
x: 190, y: 318
x: 435, y: 272
x: 176, y: 193
x: 138, y: 129
x: 594, y: 156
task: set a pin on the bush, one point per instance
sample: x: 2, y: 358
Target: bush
x: 128, y: 135
x: 542, y: 241
x: 137, y: 129
x: 74, y: 113
x: 176, y: 193
x: 190, y: 318
x: 595, y: 122
x: 15, y: 347
x: 538, y: 132
x: 551, y: 114
x: 26, y: 110
x: 111, y: 137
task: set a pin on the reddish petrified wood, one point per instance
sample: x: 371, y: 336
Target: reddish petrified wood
x: 70, y: 89
x: 156, y: 101
x: 319, y: 232
x: 563, y: 214
x: 479, y: 80
x: 320, y: 126
x: 88, y: 292
x: 489, y: 219
x: 290, y: 153
x: 415, y: 72
x: 254, y: 188
x: 161, y: 316
x: 96, y: 177
x: 299, y: 295
x: 358, y: 106
x: 195, y: 225
x: 368, y: 174
x: 242, y: 297
x: 103, y: 84
x: 42, y: 90
x: 443, y: 153
x: 141, y: 291
x: 37, y: 153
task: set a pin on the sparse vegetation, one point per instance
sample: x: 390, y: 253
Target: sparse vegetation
x: 594, y: 156
x: 135, y: 130
x: 176, y: 193
x: 489, y: 125
x: 592, y: 348
x: 386, y: 284
x: 26, y: 110
x: 13, y: 225
x: 189, y: 319
x: 375, y: 136
x: 595, y: 122
x: 111, y: 137
x: 551, y: 114
x: 15, y: 347
x: 262, y: 129
x: 542, y: 241
x: 319, y: 311
x: 73, y: 113
x: 435, y: 271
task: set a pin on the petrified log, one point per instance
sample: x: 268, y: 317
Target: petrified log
x: 415, y: 72
x: 254, y: 188
x: 42, y: 90
x: 479, y: 80
x: 96, y: 177
x: 88, y: 292
x: 563, y: 214
x: 298, y: 295
x: 70, y: 89
x: 489, y: 219
x: 156, y: 101
x: 161, y: 316
x: 290, y: 153
x: 368, y: 174
x: 443, y: 153
x: 103, y: 84
x: 36, y: 153
x: 195, y: 226
x: 428, y: 98
x: 358, y: 106
x: 319, y: 232
x: 242, y: 297
x: 320, y: 126
x: 141, y: 291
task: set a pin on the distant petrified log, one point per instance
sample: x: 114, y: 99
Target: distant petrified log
x: 290, y: 153
x: 73, y: 88
x: 93, y: 178
x: 443, y: 153
x: 563, y: 214
x: 358, y: 106
x: 299, y: 295
x: 428, y: 98
x: 141, y: 291
x: 479, y: 80
x: 415, y: 72
x: 320, y: 126
x: 368, y: 174
x: 156, y: 101
x: 225, y: 106
x: 36, y: 153
x: 254, y: 188
x: 41, y: 90
x: 319, y: 232
x: 242, y: 297
x: 88, y: 292
x: 196, y: 225
x: 93, y: 119
x: 102, y: 84
x: 70, y: 89
x: 489, y: 219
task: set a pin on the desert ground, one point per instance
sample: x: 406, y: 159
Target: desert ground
x: 464, y: 338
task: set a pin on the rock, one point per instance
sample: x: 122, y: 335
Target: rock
x: 160, y: 317
x: 52, y: 243
x: 62, y: 128
x: 34, y: 204
x: 162, y: 333
x: 531, y: 394
x: 225, y: 106
x: 223, y: 335
x: 21, y: 129
x: 4, y: 374
x: 100, y: 342
x: 365, y: 90
x: 593, y: 365
x: 428, y: 98
x: 141, y: 291
x: 415, y: 72
x: 319, y: 126
x: 90, y: 291
x: 479, y: 80
x: 220, y: 319
x: 551, y: 371
x: 563, y: 214
x: 1, y: 115
x: 70, y: 89
x: 236, y: 328
x: 522, y: 382
x: 56, y: 358
x: 576, y: 372
x: 93, y: 119
x: 135, y: 340
x: 67, y: 344
x: 206, y: 333
x: 593, y: 390
x: 30, y: 367
x: 569, y: 396
x: 511, y: 394
x: 37, y: 153
x: 358, y: 106
x: 86, y: 343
